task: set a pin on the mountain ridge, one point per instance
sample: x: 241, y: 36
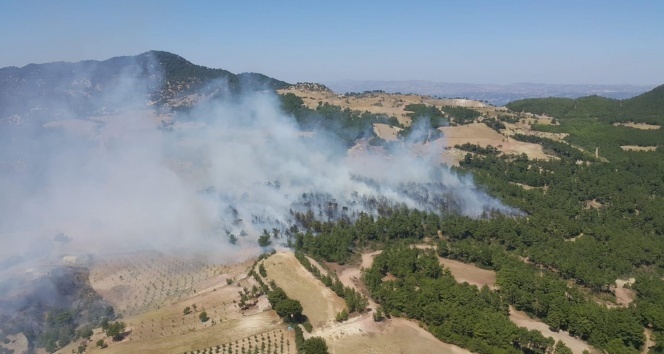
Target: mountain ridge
x: 41, y: 91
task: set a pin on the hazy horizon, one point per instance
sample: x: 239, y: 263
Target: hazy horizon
x: 594, y: 42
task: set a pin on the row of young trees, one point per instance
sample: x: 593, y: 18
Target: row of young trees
x: 355, y: 301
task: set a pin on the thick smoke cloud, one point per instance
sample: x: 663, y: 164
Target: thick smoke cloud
x: 126, y: 181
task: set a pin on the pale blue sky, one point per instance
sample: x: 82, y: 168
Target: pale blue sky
x: 499, y: 41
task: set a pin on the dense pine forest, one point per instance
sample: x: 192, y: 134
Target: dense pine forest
x: 588, y: 221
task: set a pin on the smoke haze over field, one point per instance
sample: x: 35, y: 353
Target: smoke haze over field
x: 126, y: 181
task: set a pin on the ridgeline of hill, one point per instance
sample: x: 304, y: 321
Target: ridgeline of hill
x: 89, y: 87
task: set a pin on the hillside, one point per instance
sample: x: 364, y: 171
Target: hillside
x: 645, y: 108
x: 278, y: 223
x: 611, y: 126
x: 159, y: 79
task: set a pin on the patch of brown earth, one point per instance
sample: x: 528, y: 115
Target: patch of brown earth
x: 577, y: 346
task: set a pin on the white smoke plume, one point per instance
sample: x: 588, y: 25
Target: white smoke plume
x: 123, y: 182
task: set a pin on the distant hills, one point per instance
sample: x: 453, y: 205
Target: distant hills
x: 645, y: 108
x: 162, y: 79
x: 497, y: 95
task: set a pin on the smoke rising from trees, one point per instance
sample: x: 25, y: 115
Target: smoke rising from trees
x: 135, y: 179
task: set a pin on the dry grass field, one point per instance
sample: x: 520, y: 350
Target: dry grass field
x: 394, y: 336
x: 320, y: 303
x: 480, y: 134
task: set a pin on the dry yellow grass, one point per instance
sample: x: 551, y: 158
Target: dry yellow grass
x: 480, y: 134
x: 320, y: 303
x: 473, y: 275
x: 392, y: 337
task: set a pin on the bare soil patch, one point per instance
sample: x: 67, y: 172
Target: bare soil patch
x: 464, y: 272
x: 368, y: 258
x: 387, y: 132
x: 393, y: 336
x: 624, y: 296
x: 638, y: 148
x: 577, y: 346
x: 593, y: 204
x: 649, y: 341
x: 641, y: 126
x: 320, y: 303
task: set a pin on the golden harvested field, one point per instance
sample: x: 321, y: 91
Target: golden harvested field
x: 480, y: 134
x: 320, y: 303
